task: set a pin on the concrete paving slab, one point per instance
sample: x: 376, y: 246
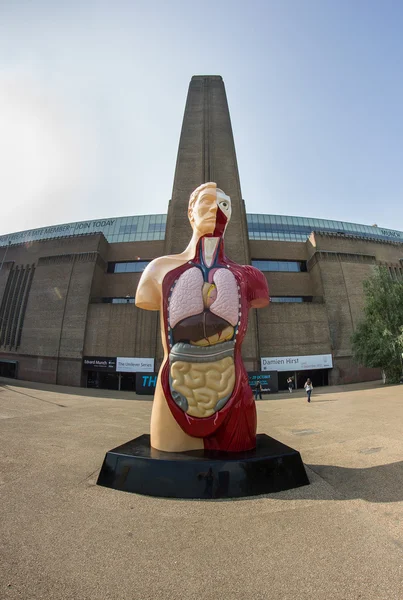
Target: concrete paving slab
x: 62, y: 537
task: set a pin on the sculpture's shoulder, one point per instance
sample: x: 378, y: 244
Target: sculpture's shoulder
x: 257, y: 287
x: 148, y: 295
x: 253, y: 274
x: 248, y: 272
x: 159, y: 267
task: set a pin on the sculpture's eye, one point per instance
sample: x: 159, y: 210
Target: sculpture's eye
x: 224, y: 204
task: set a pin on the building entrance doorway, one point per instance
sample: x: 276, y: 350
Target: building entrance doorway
x: 103, y: 381
x: 319, y: 377
x: 111, y: 381
x: 8, y: 368
x: 282, y: 380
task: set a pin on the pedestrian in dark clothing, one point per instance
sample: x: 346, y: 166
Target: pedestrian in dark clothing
x: 258, y: 390
x: 308, y: 387
x: 290, y: 384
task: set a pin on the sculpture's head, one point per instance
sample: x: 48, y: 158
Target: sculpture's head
x: 209, y: 210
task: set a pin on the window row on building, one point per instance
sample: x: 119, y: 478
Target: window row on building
x: 135, y: 266
x: 119, y: 300
x: 152, y: 227
x: 130, y: 299
x: 287, y: 266
x: 284, y: 228
x: 291, y: 299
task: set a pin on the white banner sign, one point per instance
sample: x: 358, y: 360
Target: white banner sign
x: 134, y: 365
x: 297, y: 363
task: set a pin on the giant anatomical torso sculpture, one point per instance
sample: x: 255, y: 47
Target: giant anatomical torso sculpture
x: 202, y: 398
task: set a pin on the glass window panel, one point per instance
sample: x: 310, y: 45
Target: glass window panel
x: 129, y: 300
x: 282, y: 265
x: 287, y: 299
x: 114, y: 228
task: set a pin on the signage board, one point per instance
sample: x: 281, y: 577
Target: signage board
x: 99, y: 363
x: 68, y: 229
x: 134, y: 365
x: 145, y: 383
x: 268, y: 380
x: 297, y: 363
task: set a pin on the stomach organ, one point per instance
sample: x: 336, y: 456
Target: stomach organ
x: 203, y: 317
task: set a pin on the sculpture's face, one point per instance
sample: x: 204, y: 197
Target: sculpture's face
x: 211, y: 212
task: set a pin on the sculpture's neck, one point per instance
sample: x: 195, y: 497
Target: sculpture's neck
x: 209, y: 249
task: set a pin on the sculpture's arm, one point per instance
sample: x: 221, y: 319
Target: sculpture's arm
x: 148, y: 294
x: 258, y: 290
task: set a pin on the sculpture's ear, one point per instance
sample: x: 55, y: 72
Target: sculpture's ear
x: 190, y: 214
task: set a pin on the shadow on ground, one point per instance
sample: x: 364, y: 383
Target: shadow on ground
x: 383, y: 483
x: 380, y: 484
x: 10, y: 384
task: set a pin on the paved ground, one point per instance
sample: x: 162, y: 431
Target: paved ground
x: 62, y: 537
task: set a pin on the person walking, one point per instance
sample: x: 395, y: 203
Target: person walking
x: 308, y: 387
x: 258, y: 390
x: 290, y: 383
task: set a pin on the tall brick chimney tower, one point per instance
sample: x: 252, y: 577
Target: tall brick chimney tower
x: 206, y: 153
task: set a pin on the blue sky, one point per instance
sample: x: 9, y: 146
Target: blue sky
x: 92, y: 96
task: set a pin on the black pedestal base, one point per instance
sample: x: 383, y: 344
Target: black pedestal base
x: 136, y: 467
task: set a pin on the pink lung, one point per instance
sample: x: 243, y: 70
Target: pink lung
x: 226, y: 305
x: 187, y: 298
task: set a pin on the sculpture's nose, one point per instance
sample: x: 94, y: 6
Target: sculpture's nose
x: 212, y: 210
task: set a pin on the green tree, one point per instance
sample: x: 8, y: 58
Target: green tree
x: 378, y: 338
